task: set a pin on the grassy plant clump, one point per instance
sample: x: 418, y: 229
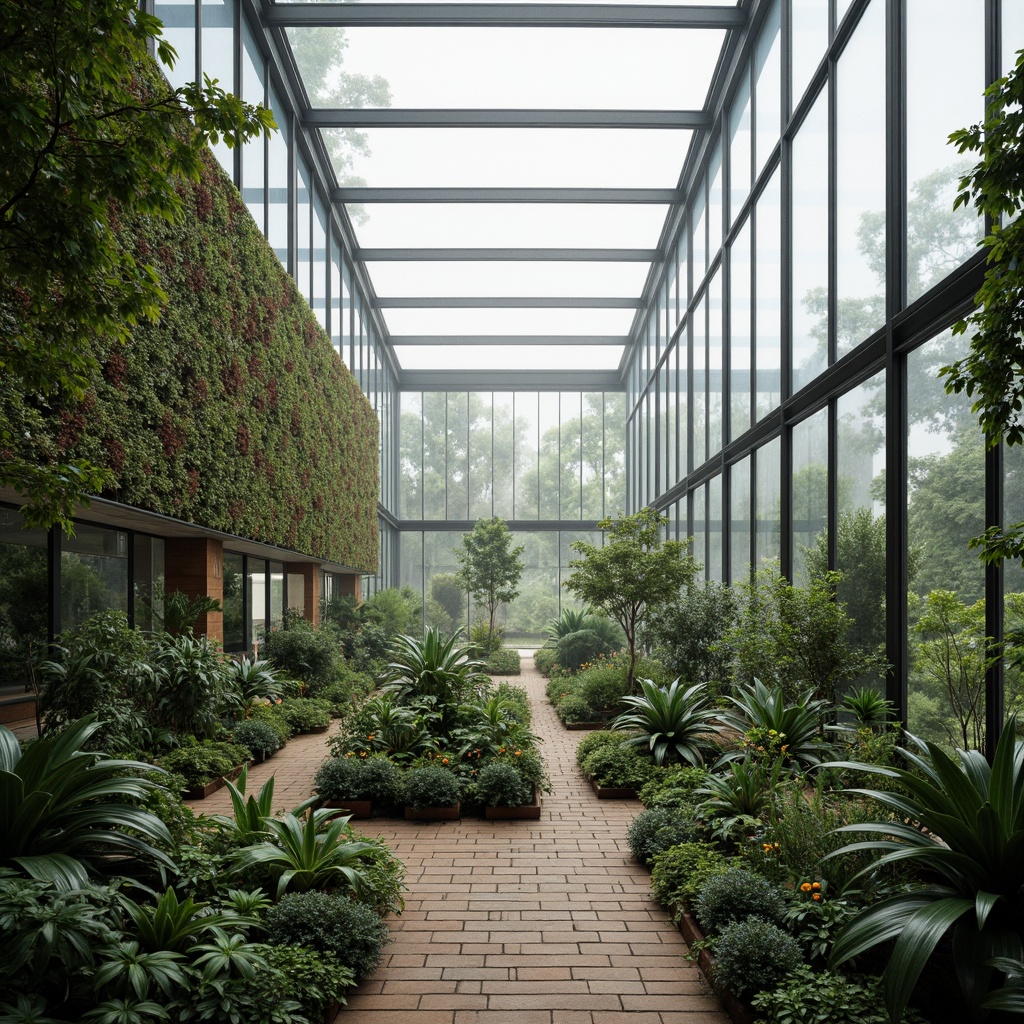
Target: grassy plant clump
x: 734, y: 896
x: 332, y: 924
x: 656, y: 829
x: 753, y: 956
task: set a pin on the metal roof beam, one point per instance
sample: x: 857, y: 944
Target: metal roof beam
x: 346, y: 15
x: 508, y: 339
x: 510, y: 380
x: 506, y: 302
x: 660, y: 196
x: 510, y: 255
x: 501, y: 118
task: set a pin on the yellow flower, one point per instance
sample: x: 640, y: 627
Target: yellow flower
x: 816, y: 885
x: 805, y: 886
x: 519, y: 753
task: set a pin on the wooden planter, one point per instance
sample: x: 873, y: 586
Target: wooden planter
x: 202, y: 792
x: 450, y: 813
x: 355, y: 808
x: 611, y: 793
x: 524, y: 812
x: 585, y: 726
x: 739, y: 1012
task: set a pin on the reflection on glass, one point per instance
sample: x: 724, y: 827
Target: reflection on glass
x: 234, y: 584
x: 148, y: 584
x: 768, y: 313
x: 739, y: 520
x: 767, y: 87
x: 457, y: 466
x: 739, y: 149
x: 217, y: 35
x: 946, y: 464
x: 945, y: 80
x: 768, y: 518
x: 258, y: 599
x: 614, y: 454
x: 860, y: 183
x: 739, y: 333
x: 809, y: 27
x: 276, y: 576
x: 809, y: 309
x: 716, y: 411
x: 700, y: 378
x: 278, y: 146
x: 178, y: 18
x: 810, y: 488
x: 715, y: 200
x: 93, y: 574
x: 715, y: 568
x: 24, y: 606
x: 700, y: 526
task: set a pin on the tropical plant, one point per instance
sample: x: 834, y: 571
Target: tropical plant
x: 174, y: 926
x: 598, y: 636
x: 306, y: 853
x: 569, y: 620
x: 975, y: 872
x: 620, y: 766
x: 248, y: 824
x: 869, y: 708
x: 302, y: 651
x: 255, y: 679
x: 191, y: 683
x: 739, y: 794
x: 316, y: 978
x: 385, y: 726
x: 64, y: 810
x: 679, y: 873
x: 180, y: 612
x: 671, y: 722
x: 772, y: 725
x: 201, y: 763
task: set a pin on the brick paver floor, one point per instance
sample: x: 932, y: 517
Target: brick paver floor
x: 519, y: 922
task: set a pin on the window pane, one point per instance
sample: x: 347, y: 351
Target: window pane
x: 715, y: 568
x: 767, y: 87
x: 93, y: 575
x: 739, y: 150
x: 809, y: 20
x: 810, y: 488
x: 481, y: 467
x: 739, y: 520
x: 234, y: 583
x: 768, y: 314
x: 527, y: 499
x: 739, y: 333
x: 716, y: 411
x: 457, y: 462
x: 768, y: 524
x: 24, y: 582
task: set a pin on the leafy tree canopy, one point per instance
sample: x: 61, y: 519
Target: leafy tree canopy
x: 992, y: 373
x: 633, y: 574
x: 93, y: 135
x: 491, y: 567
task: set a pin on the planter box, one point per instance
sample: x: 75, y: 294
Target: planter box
x: 524, y: 812
x: 355, y: 808
x: 202, y: 792
x: 739, y: 1012
x: 433, y: 813
x: 585, y: 726
x: 611, y: 793
x: 318, y: 728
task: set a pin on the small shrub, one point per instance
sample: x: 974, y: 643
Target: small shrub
x: 330, y: 924
x: 200, y: 763
x: 500, y: 784
x: 315, y: 978
x: 545, y: 660
x: 503, y: 662
x: 597, y: 739
x: 656, y: 829
x: 271, y: 714
x: 359, y: 778
x: 517, y: 700
x: 619, y: 767
x: 821, y: 997
x: 346, y: 691
x: 576, y: 708
x: 304, y: 651
x: 754, y: 956
x: 734, y: 896
x: 431, y: 785
x: 679, y: 873
x: 304, y: 714
x: 260, y: 737
x: 676, y: 786
x: 603, y: 689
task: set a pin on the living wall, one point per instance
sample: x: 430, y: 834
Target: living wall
x: 232, y: 411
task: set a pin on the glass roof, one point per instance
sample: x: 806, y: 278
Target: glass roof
x: 511, y: 108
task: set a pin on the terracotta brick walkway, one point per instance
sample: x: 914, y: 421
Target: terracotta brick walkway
x: 519, y: 922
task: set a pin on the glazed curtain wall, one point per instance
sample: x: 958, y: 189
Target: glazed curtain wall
x: 783, y: 392
x: 551, y: 464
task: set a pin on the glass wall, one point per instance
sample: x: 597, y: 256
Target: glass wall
x: 24, y: 608
x: 93, y: 573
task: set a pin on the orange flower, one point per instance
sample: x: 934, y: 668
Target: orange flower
x: 444, y: 760
x: 519, y: 753
x: 805, y: 886
x: 816, y: 896
x: 815, y: 885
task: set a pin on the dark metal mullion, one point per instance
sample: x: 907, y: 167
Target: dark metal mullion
x: 832, y: 305
x: 129, y: 584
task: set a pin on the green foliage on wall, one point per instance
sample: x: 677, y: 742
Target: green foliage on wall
x: 233, y: 411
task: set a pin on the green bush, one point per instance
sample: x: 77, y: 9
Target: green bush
x: 603, y: 687
x: 304, y: 714
x: 503, y: 662
x: 260, y: 737
x: 656, y: 829
x: 734, y: 896
x: 619, y: 767
x: 330, y: 924
x: 501, y: 784
x: 303, y: 651
x: 346, y: 691
x: 808, y: 996
x: 431, y: 785
x: 316, y: 979
x: 271, y: 714
x: 596, y: 740
x: 575, y: 708
x: 373, y: 778
x: 753, y: 956
x: 676, y: 786
x: 545, y: 659
x: 200, y: 763
x: 679, y: 873
x: 517, y: 700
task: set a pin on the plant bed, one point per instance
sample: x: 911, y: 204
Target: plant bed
x: 739, y: 1012
x: 207, y: 789
x: 524, y: 812
x: 612, y: 792
x: 355, y: 808
x: 585, y: 726
x: 450, y: 813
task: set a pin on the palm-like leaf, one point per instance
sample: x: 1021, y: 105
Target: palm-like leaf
x: 978, y: 811
x: 63, y: 808
x: 671, y: 720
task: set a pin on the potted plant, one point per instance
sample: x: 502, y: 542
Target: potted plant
x: 506, y: 793
x: 357, y: 783
x: 432, y: 793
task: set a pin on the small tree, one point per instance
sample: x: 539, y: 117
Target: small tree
x: 491, y: 568
x: 633, y: 574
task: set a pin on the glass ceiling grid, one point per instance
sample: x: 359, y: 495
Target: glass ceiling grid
x: 507, y: 169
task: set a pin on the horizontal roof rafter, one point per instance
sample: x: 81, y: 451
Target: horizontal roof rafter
x: 507, y: 302
x: 509, y: 339
x: 541, y: 15
x: 660, y: 196
x: 510, y: 380
x: 390, y: 117
x: 565, y: 255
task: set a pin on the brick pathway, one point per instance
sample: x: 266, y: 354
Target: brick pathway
x: 519, y: 922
